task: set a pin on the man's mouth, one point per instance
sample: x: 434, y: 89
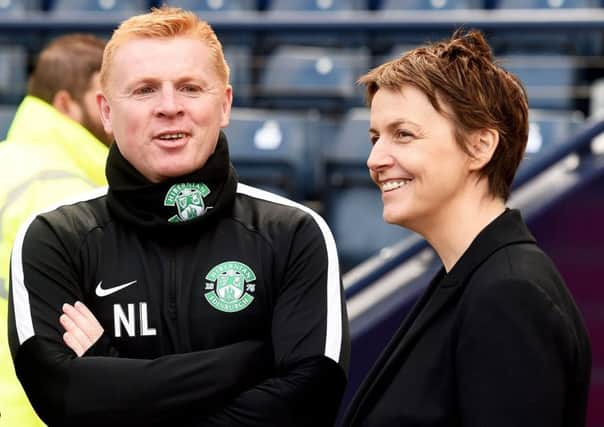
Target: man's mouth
x: 171, y: 136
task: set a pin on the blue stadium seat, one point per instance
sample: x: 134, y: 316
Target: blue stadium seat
x: 296, y: 72
x: 7, y: 113
x: 547, y: 131
x: 546, y: 4
x: 318, y: 5
x: 19, y: 6
x: 355, y: 217
x: 13, y: 73
x: 550, y: 80
x: 69, y: 6
x: 272, y: 150
x: 214, y: 5
x: 239, y: 59
x: 352, y: 203
x: 431, y: 4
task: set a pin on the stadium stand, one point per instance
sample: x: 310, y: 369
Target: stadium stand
x: 431, y: 4
x: 273, y: 150
x: 13, y: 73
x: 546, y: 4
x: 239, y: 58
x: 103, y: 6
x: 297, y: 129
x: 548, y: 131
x: 550, y: 80
x: 317, y: 5
x: 215, y: 5
x: 7, y: 112
x: 295, y: 75
x: 15, y: 7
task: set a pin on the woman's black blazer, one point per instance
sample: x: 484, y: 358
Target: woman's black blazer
x: 498, y: 341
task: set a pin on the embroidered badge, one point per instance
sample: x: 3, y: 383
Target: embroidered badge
x: 188, y: 198
x: 230, y: 286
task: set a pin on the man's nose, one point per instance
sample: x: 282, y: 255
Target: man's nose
x: 169, y: 103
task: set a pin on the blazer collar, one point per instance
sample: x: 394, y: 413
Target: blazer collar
x: 507, y: 229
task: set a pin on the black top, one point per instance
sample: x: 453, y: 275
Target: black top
x: 498, y: 341
x: 221, y: 305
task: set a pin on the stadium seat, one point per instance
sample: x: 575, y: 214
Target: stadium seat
x: 69, y: 6
x: 547, y: 131
x: 546, y: 4
x: 296, y: 74
x: 13, y: 73
x: 272, y: 150
x: 550, y: 80
x: 214, y: 5
x: 431, y: 4
x: 352, y: 203
x: 7, y: 113
x: 19, y: 6
x: 317, y: 5
x: 239, y: 59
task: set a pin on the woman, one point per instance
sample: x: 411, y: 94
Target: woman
x: 496, y: 340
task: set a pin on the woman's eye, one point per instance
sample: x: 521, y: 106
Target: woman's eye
x: 403, y: 135
x: 373, y: 139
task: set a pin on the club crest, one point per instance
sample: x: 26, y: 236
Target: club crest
x: 188, y: 199
x: 230, y: 286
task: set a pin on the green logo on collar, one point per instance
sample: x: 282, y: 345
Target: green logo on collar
x: 188, y: 198
x: 230, y: 286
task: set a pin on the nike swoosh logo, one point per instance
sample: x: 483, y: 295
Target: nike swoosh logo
x: 102, y: 292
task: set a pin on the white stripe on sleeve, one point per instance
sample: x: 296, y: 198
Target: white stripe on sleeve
x: 23, y: 318
x: 333, y: 339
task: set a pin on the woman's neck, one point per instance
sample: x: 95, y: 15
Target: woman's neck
x: 459, y: 224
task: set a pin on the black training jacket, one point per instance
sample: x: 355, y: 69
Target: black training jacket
x: 221, y: 305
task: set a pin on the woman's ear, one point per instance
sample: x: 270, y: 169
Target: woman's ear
x: 482, y: 146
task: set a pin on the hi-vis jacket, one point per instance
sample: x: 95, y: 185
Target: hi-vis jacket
x: 221, y: 304
x: 46, y: 157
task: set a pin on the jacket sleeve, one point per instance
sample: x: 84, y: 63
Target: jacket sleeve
x: 66, y: 390
x: 310, y: 341
x: 514, y: 357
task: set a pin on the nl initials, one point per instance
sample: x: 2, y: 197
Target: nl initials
x: 128, y: 320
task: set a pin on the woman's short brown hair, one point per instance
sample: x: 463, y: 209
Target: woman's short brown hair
x: 479, y: 94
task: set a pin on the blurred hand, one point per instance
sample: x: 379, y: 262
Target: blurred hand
x: 82, y: 329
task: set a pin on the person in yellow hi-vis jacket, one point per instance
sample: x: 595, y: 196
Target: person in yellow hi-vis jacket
x: 55, y: 147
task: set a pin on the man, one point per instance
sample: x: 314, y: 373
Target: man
x: 217, y: 303
x: 53, y: 150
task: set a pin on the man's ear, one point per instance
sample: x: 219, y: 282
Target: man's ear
x: 482, y: 146
x: 63, y: 102
x: 227, y: 102
x: 105, y: 112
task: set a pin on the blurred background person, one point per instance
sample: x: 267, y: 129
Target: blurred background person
x: 496, y: 339
x: 55, y: 147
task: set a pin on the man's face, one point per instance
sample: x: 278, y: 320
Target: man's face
x: 165, y: 105
x: 90, y: 117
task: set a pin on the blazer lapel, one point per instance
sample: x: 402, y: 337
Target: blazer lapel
x: 370, y: 385
x: 507, y: 229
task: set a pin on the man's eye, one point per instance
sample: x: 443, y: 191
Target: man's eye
x: 145, y: 90
x: 373, y: 139
x: 191, y: 89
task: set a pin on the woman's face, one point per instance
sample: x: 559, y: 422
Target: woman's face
x: 415, y: 160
